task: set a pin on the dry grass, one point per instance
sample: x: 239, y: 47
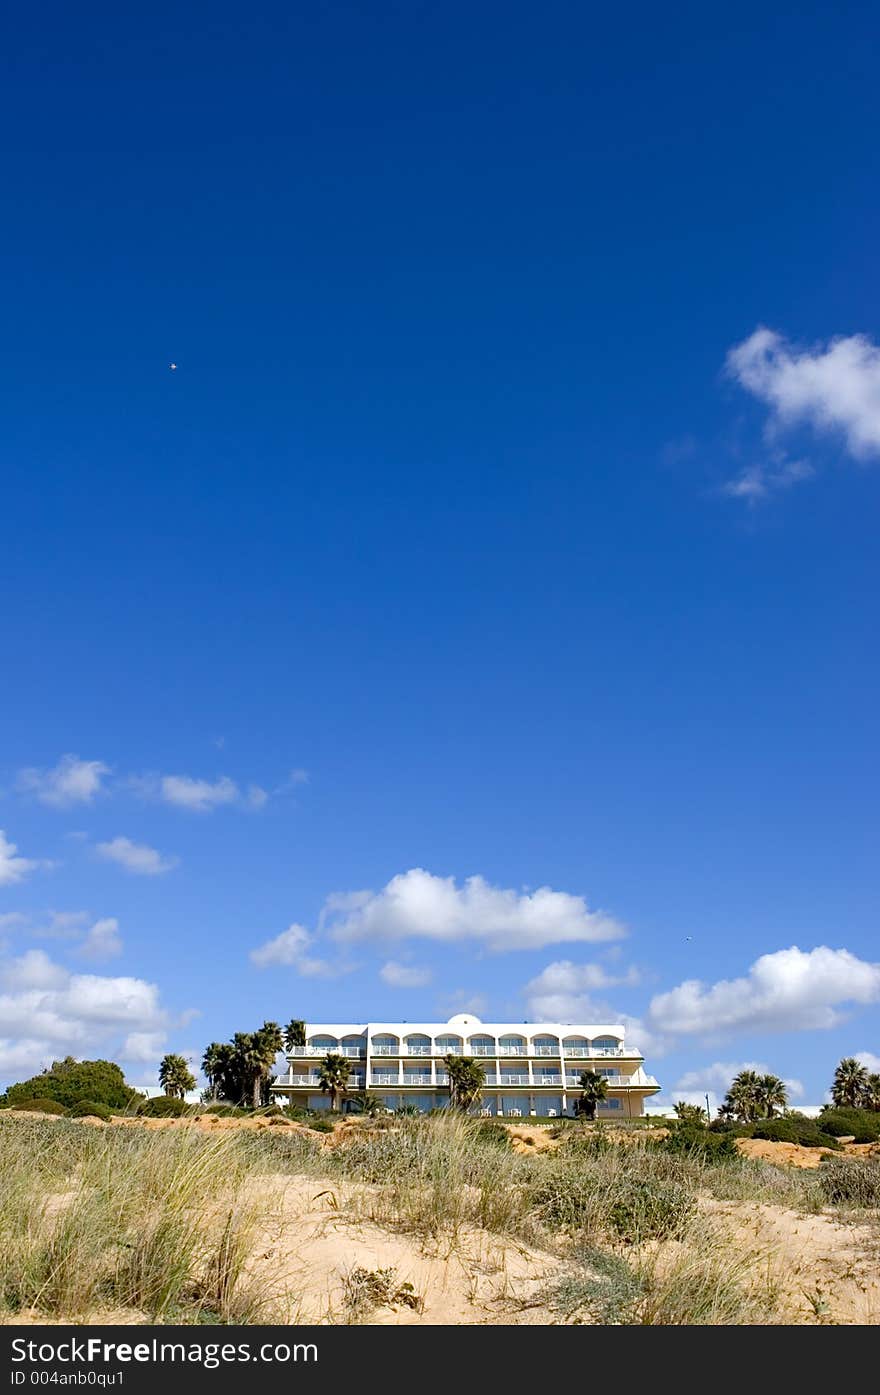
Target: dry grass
x: 165, y: 1223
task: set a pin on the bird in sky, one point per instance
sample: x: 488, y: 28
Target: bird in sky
x: 173, y: 367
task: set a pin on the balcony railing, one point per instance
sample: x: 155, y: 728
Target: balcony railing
x: 381, y: 1079
x: 410, y: 1079
x: 514, y: 1080
x: 547, y: 1050
x: 482, y: 1051
x: 385, y: 1050
x: 512, y: 1051
x: 417, y: 1051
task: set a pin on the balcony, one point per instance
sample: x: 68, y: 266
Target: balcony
x: 412, y: 1051
x: 541, y: 1079
x: 385, y: 1051
x: 514, y: 1080
x: 511, y: 1051
x: 410, y: 1079
x: 383, y: 1078
x: 356, y: 1052
x: 482, y: 1051
x: 547, y: 1050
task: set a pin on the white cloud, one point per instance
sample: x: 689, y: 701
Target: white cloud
x: 835, y: 386
x: 72, y: 781
x: 416, y: 904
x: 290, y: 950
x: 715, y: 1080
x: 257, y: 797
x: 464, y: 1000
x: 869, y: 1060
x: 46, y: 1011
x: 143, y: 1046
x: 138, y: 858
x: 563, y: 991
x: 790, y: 990
x: 404, y: 975
x: 759, y: 481
x: 12, y: 867
x: 199, y: 796
x: 102, y: 941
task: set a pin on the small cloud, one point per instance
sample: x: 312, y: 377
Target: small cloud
x: 759, y: 481
x: 62, y: 925
x: 14, y: 868
x: 298, y: 777
x: 33, y: 970
x: 72, y: 781
x: 463, y: 1000
x: 137, y: 858
x: 199, y: 796
x: 102, y: 942
x: 403, y: 975
x: 869, y: 1060
x: 290, y: 950
x: 257, y: 797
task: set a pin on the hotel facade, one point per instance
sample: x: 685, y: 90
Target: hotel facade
x: 532, y: 1068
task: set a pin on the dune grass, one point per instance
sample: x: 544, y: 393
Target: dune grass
x: 164, y: 1222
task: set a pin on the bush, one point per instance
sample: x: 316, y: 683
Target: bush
x: 851, y: 1183
x: 862, y: 1124
x: 227, y: 1111
x: 68, y: 1081
x: 495, y: 1134
x: 321, y: 1125
x: 90, y: 1108
x: 701, y: 1142
x: 163, y: 1107
x: 40, y: 1105
x: 794, y: 1128
x: 651, y: 1210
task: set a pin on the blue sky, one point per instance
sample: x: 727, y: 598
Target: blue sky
x: 510, y: 514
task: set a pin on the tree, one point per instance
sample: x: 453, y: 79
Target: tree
x: 690, y: 1113
x: 772, y: 1095
x: 466, y: 1081
x: 872, y: 1092
x: 743, y: 1099
x: 594, y: 1087
x: 175, y: 1076
x: 333, y: 1073
x: 268, y: 1042
x: 215, y: 1063
x: 366, y: 1103
x: 294, y: 1034
x: 70, y: 1080
x: 850, y: 1083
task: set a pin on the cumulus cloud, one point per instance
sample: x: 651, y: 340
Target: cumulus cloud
x: 419, y: 905
x: 290, y: 950
x: 789, y: 990
x: 72, y: 781
x: 137, y: 858
x: 833, y: 386
x: 46, y: 1011
x: 404, y: 975
x: 869, y: 1060
x: 464, y: 1000
x: 563, y: 992
x: 13, y: 868
x: 715, y: 1079
x: 143, y: 1046
x: 102, y: 941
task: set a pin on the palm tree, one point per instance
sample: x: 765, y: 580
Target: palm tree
x: 690, y: 1113
x: 744, y: 1096
x: 214, y: 1062
x: 850, y: 1083
x: 175, y: 1076
x: 333, y: 1073
x: 366, y: 1103
x: 294, y: 1034
x: 872, y: 1091
x: 772, y: 1094
x: 268, y: 1041
x: 466, y: 1081
x: 594, y: 1087
x: 247, y: 1068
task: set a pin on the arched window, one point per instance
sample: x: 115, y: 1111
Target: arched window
x: 481, y: 1045
x: 545, y: 1046
x: 417, y: 1044
x: 353, y: 1046
x: 324, y: 1043
x: 606, y: 1043
x: 576, y: 1046
x: 449, y: 1045
x: 512, y: 1045
x: 386, y: 1044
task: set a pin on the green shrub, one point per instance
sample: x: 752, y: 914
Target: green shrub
x: 227, y: 1111
x: 794, y: 1128
x: 851, y: 1182
x: 68, y: 1081
x: 163, y: 1107
x: 40, y: 1105
x: 90, y: 1108
x: 651, y: 1210
x: 495, y: 1134
x: 862, y: 1124
x: 700, y: 1142
x: 321, y: 1125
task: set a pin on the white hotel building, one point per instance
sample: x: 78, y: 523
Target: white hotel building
x: 531, y: 1067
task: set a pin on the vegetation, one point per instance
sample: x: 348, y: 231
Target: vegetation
x: 690, y: 1113
x: 752, y: 1096
x: 40, y: 1106
x: 467, y: 1080
x: 794, y: 1128
x: 163, y: 1107
x: 850, y: 1084
x: 333, y: 1075
x: 294, y: 1034
x: 594, y: 1089
x: 863, y: 1125
x: 239, y: 1071
x: 69, y: 1080
x: 175, y: 1076
x: 90, y: 1109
